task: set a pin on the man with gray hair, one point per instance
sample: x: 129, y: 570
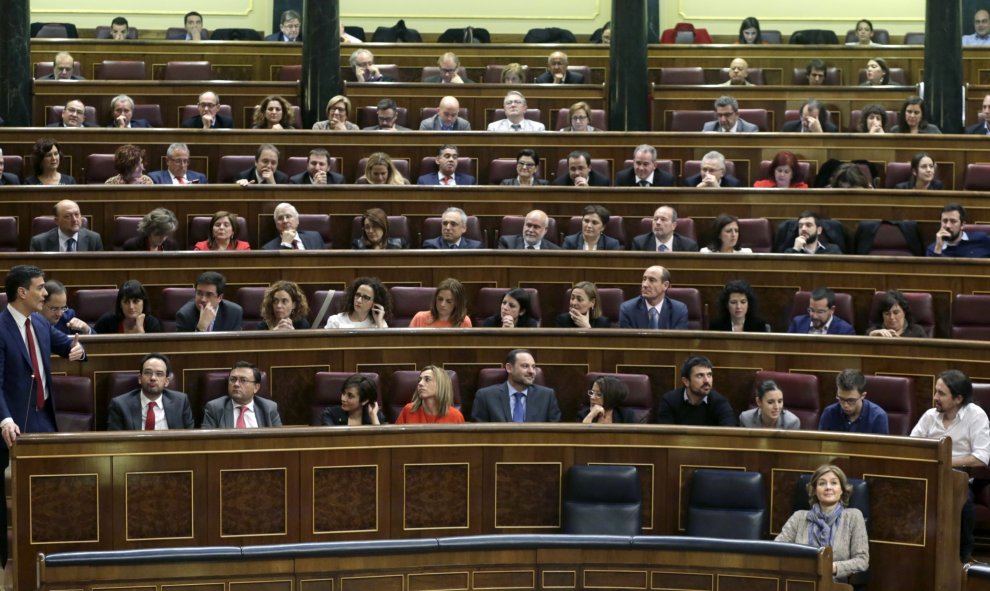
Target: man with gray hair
x: 122, y: 111
x: 209, y: 116
x: 63, y: 68
x: 644, y: 171
x: 363, y: 63
x: 290, y: 236
x: 813, y: 119
x: 177, y: 173
x: 453, y: 224
x: 727, y: 118
x: 712, y: 173
x: 515, y: 115
x: 290, y: 28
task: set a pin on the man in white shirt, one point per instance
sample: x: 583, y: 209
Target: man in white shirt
x: 981, y: 28
x: 515, y: 115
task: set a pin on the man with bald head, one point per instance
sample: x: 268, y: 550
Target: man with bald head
x: 532, y: 237
x: 738, y: 73
x: 981, y: 30
x: 557, y: 72
x: 209, y: 116
x: 68, y: 235
x: 447, y: 117
x: 663, y: 238
x: 652, y: 309
x: 63, y: 68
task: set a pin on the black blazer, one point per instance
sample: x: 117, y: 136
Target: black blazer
x: 648, y: 242
x: 219, y: 122
x: 495, y: 321
x: 627, y: 178
x: 576, y: 242
x: 230, y: 316
x: 565, y: 321
x: 594, y: 180
x: 9, y: 178
x: 866, y: 232
x: 335, y: 416
x: 125, y: 411
x: 517, y: 242
x: 909, y: 184
x: 300, y: 324
x: 619, y: 415
x: 249, y: 175
x: 390, y: 244
x: 333, y: 178
x: 727, y: 181
x: 140, y: 242
x: 311, y: 241
x: 569, y: 78
x: 750, y: 325
x: 108, y: 324
x: 795, y: 126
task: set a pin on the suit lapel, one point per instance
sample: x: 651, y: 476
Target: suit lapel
x: 134, y: 410
x: 15, y: 336
x: 504, y: 402
x: 228, y: 414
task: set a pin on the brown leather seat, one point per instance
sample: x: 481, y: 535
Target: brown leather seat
x: 401, y: 164
x: 914, y: 38
x: 969, y: 317
x: 407, y: 301
x: 613, y: 228
x: 602, y: 166
x: 75, y: 403
x: 43, y: 223
x: 755, y: 75
x: 895, y: 395
x: 880, y: 36
x: 681, y: 76
x: 120, y: 70
x: 490, y: 300
x: 801, y: 394
x: 326, y: 391
x: 153, y: 113
x: 598, y: 120
x: 46, y: 68
x: 8, y: 234
x: 316, y: 302
x: 833, y: 77
x: 249, y: 298
x: 199, y: 229
x: 14, y: 165
x: 688, y: 120
x: 125, y: 227
x: 192, y: 70
x: 98, y: 167
x: 368, y: 116
x: 231, y: 166
x: 55, y: 114
x: 691, y: 297
x: 756, y: 234
x: 431, y: 229
x: 173, y: 298
x: 318, y: 222
x: 896, y: 77
x: 121, y: 382
x: 897, y: 172
x: 289, y: 73
x: 90, y: 304
x: 889, y: 240
x: 761, y: 118
x: 922, y: 308
x: 977, y: 177
x: 513, y: 225
x: 843, y: 306
x: 465, y: 165
x: 493, y: 73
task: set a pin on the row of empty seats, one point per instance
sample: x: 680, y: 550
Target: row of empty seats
x: 696, y: 76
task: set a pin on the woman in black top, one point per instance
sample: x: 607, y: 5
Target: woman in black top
x: 374, y: 235
x: 284, y: 307
x: 737, y: 309
x: 358, y: 404
x: 129, y: 314
x: 605, y: 402
x: 585, y: 311
x: 514, y: 312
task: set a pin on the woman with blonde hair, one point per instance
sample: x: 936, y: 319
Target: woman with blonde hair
x: 584, y: 310
x: 448, y: 309
x: 380, y: 170
x: 432, y: 401
x: 284, y: 307
x: 338, y: 112
x: 513, y: 74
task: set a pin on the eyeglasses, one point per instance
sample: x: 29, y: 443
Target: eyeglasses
x: 848, y: 401
x: 208, y: 105
x: 74, y: 111
x: 579, y: 117
x: 153, y: 374
x: 526, y: 164
x: 815, y: 312
x: 509, y: 102
x: 363, y: 297
x: 59, y: 309
x: 240, y: 380
x: 337, y: 109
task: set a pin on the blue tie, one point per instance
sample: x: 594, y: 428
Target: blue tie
x: 519, y: 412
x: 654, y: 318
x: 70, y: 245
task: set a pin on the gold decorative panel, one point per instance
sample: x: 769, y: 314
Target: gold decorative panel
x: 905, y: 502
x: 506, y: 579
x: 253, y: 502
x: 152, y: 515
x: 527, y: 495
x: 348, y: 508
x: 386, y: 583
x: 615, y: 579
x: 435, y: 496
x: 453, y: 581
x: 64, y: 508
x: 668, y: 581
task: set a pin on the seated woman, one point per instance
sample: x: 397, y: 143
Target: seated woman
x: 769, y: 412
x: 877, y: 72
x: 605, y: 37
x: 513, y: 74
x: 128, y: 161
x: 380, y: 170
x: 284, y: 307
x: 374, y: 226
x: 749, y: 32
x: 358, y: 404
x: 154, y: 232
x: 338, y: 111
x: 922, y: 174
x: 580, y: 117
x: 914, y: 118
x: 273, y: 112
x: 514, y: 312
x: 864, y: 34
x: 894, y: 318
x: 849, y: 176
x: 873, y: 119
x: 432, y: 401
x: 592, y: 236
x: 527, y: 162
x: 726, y: 236
x: 130, y: 313
x: 448, y: 309
x: 584, y: 311
x: 605, y: 402
x: 367, y: 304
x: 223, y: 234
x: 786, y: 173
x: 738, y: 309
x: 831, y: 523
x: 46, y: 156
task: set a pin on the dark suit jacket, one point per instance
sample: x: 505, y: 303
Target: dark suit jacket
x: 219, y: 413
x: 866, y: 233
x: 249, y: 175
x: 627, y: 178
x: 569, y: 78
x: 433, y: 178
x: 108, y: 324
x: 333, y: 178
x: 162, y: 177
x: 823, y: 248
x: 280, y: 37
x: 379, y: 128
x: 648, y: 242
x: 334, y: 416
x: 633, y: 314
x: 594, y: 180
x: 390, y: 244
x: 125, y: 411
x: 433, y: 124
x: 565, y: 321
x: 230, y: 316
x: 438, y: 242
x: 491, y: 405
x: 576, y: 242
x: 136, y: 124
x: 516, y: 241
x: 48, y: 241
x: 936, y: 185
x: 219, y: 122
x: 311, y: 241
x: 832, y: 230
x: 801, y: 324
x: 9, y: 178
x: 795, y: 126
x: 727, y: 181
x: 439, y: 80
x: 977, y: 128
x: 61, y: 124
x: 52, y: 77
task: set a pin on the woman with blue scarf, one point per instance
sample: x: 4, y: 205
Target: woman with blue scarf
x: 831, y: 523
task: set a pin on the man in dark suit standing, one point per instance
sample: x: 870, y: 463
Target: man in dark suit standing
x: 290, y: 28
x: 209, y: 114
x: 151, y: 406
x: 814, y: 119
x: 317, y: 170
x: 557, y: 72
x: 122, y: 110
x: 68, y: 235
x: 177, y: 173
x: 446, y: 175
x: 821, y: 317
x: 532, y: 237
x: 290, y: 237
x: 652, y: 309
x: 7, y: 178
x: 518, y: 399
x: 580, y: 173
x: 265, y: 171
x: 712, y: 173
x: 663, y: 238
x: 644, y: 171
x: 27, y: 341
x: 453, y: 224
x: 241, y: 408
x: 208, y: 311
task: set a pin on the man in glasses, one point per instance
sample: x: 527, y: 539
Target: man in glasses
x: 852, y: 412
x: 821, y: 318
x: 449, y: 65
x: 515, y: 115
x: 59, y: 314
x: 73, y: 115
x: 290, y: 28
x: 64, y: 68
x: 241, y: 408
x: 209, y: 116
x: 388, y: 115
x: 177, y: 173
x: 208, y: 311
x: 151, y: 406
x: 557, y: 72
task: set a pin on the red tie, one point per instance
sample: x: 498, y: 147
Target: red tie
x: 446, y: 180
x: 149, y: 421
x: 182, y: 180
x: 241, y: 424
x: 39, y: 384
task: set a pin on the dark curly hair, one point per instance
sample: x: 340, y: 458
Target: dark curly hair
x: 382, y: 295
x: 300, y: 305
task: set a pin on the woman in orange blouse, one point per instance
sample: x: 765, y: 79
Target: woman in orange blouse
x: 448, y: 310
x: 223, y: 234
x: 432, y: 402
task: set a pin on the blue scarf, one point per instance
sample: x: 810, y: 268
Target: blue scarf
x: 822, y: 526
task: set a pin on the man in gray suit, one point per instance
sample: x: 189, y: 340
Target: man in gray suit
x: 68, y: 235
x: 151, y: 407
x: 241, y: 408
x: 728, y: 120
x: 446, y: 118
x: 208, y: 311
x: 518, y: 400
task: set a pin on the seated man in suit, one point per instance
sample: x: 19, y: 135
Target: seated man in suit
x: 518, y: 399
x: 449, y: 65
x: 696, y: 402
x: 60, y: 315
x: 644, y: 171
x: 728, y: 119
x: 119, y: 29
x: 208, y: 311
x: 814, y: 119
x: 363, y: 63
x: 317, y: 170
x: 446, y: 175
x: 265, y: 170
x: 453, y: 224
x: 290, y: 236
x: 151, y: 406
x: 652, y: 309
x: 209, y: 116
x: 64, y: 68
x: 580, y: 173
x: 290, y: 28
x: 122, y: 111
x: 557, y: 72
x: 241, y: 408
x: 177, y: 173
x: 68, y: 235
x: 712, y: 173
x: 388, y: 114
x: 194, y: 31
x: 663, y: 238
x: 73, y: 115
x: 447, y: 118
x: 821, y: 318
x: 808, y: 237
x: 7, y: 178
x: 980, y: 127
x: 532, y: 237
x: 952, y: 241
x: 738, y: 73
